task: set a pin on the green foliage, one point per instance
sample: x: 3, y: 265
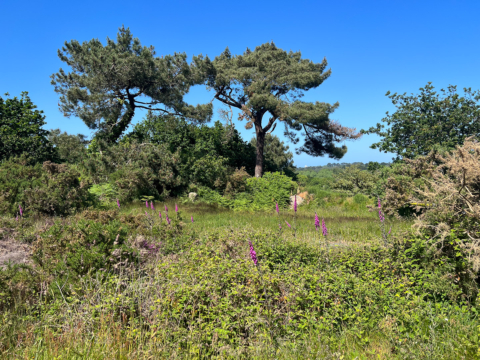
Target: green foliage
x: 276, y: 155
x: 21, y: 130
x: 106, y: 194
x: 428, y: 121
x: 207, y: 154
x: 133, y: 169
x: 352, y: 180
x: 252, y: 83
x: 49, y: 189
x: 70, y: 148
x: 271, y: 188
x: 106, y: 81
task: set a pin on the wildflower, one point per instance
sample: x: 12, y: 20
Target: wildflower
x: 146, y: 204
x: 253, y: 254
x: 295, y: 204
x: 118, y: 203
x: 317, y: 221
x: 324, y: 228
x: 16, y: 218
x: 160, y: 215
x: 151, y: 205
x: 166, y: 208
x: 279, y: 226
x: 379, y: 203
x: 21, y: 210
x: 389, y: 230
x: 276, y: 208
x: 192, y: 219
x: 168, y: 220
x: 288, y: 224
x: 146, y: 213
x: 380, y: 215
x: 176, y: 208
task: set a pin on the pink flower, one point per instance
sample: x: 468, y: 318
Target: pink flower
x: 324, y: 228
x: 151, y: 205
x: 176, y: 208
x: 160, y: 215
x: 118, y: 203
x: 21, y: 210
x: 379, y: 203
x: 146, y: 213
x: 276, y: 208
x: 295, y: 204
x: 317, y: 221
x: 380, y: 215
x: 288, y: 224
x: 168, y: 220
x: 146, y: 204
x: 253, y: 254
x: 166, y: 208
x: 192, y: 219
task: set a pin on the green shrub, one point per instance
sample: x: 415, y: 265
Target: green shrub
x: 271, y: 188
x: 50, y: 189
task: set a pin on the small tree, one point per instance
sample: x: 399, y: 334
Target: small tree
x: 270, y: 80
x: 108, y: 83
x: 21, y: 130
x: 428, y: 121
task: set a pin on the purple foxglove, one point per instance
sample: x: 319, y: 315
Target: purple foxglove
x: 288, y: 224
x: 146, y: 213
x: 176, y: 208
x: 21, y: 210
x: 324, y: 228
x: 295, y: 204
x: 279, y: 226
x: 151, y: 205
x: 166, y: 208
x: 160, y: 215
x: 168, y: 220
x: 253, y: 254
x: 16, y: 218
x: 192, y: 219
x: 118, y: 203
x: 380, y: 216
x: 389, y: 230
x: 146, y: 204
x: 379, y: 203
x: 276, y: 208
x: 317, y: 221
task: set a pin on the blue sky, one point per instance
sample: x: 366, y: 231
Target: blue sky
x: 371, y: 47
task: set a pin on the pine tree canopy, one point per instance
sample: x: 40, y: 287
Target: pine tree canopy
x: 108, y: 83
x: 271, y: 80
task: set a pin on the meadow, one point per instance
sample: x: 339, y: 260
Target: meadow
x: 192, y: 290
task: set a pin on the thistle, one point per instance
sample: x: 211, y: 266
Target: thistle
x: 253, y: 254
x: 317, y: 221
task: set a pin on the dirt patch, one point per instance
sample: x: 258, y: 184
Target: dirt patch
x: 12, y: 250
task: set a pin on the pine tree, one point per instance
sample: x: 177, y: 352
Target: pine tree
x: 108, y: 83
x: 272, y: 81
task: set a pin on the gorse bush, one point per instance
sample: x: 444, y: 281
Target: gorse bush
x: 53, y: 189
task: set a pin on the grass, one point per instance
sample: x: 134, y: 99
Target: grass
x: 206, y: 299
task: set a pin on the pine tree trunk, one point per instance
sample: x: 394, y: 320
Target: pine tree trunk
x: 259, y: 160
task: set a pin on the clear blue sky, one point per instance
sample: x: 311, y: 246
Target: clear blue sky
x: 371, y: 47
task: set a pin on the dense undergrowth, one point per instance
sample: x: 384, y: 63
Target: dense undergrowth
x: 126, y: 284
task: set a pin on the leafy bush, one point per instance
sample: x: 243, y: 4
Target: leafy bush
x: 21, y: 130
x: 132, y: 169
x: 49, y: 189
x: 271, y: 188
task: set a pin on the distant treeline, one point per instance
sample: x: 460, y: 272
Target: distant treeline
x: 362, y: 166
